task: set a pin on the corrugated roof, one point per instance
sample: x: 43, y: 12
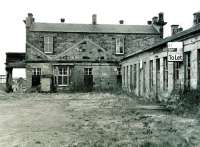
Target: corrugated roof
x: 89, y: 28
x: 190, y: 31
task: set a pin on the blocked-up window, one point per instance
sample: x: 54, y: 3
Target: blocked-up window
x: 87, y: 71
x: 48, y: 44
x: 151, y: 74
x: 62, y: 75
x: 120, y: 45
x: 165, y: 73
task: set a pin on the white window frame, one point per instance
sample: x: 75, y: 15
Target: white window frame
x: 63, y: 72
x: 48, y: 44
x: 119, y: 44
x: 88, y: 71
x: 36, y: 71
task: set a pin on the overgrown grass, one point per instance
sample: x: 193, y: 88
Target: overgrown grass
x: 183, y: 102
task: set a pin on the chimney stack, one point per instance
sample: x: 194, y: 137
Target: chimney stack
x: 196, y: 18
x: 121, y: 22
x: 94, y: 19
x: 62, y: 20
x: 29, y: 20
x: 158, y: 23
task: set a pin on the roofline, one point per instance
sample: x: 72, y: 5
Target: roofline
x: 96, y: 32
x: 177, y: 36
x: 124, y: 25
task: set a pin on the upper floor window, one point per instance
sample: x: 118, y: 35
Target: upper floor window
x: 120, y: 45
x: 48, y: 44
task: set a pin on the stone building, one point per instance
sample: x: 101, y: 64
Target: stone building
x: 64, y: 56
x: 149, y: 73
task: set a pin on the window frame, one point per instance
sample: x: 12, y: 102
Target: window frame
x: 63, y: 72
x: 88, y: 71
x: 119, y: 42
x: 48, y: 44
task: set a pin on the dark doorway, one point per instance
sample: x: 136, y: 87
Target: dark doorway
x: 88, y: 79
x: 36, y: 74
x: 35, y: 80
x: 157, y: 76
x: 119, y: 77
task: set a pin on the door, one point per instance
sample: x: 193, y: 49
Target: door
x: 88, y: 79
x: 157, y: 76
x: 36, y: 74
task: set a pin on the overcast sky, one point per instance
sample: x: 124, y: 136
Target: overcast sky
x: 12, y: 14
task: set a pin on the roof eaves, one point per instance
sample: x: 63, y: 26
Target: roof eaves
x: 171, y: 38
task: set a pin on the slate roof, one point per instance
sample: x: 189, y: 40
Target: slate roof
x: 191, y: 31
x: 89, y: 28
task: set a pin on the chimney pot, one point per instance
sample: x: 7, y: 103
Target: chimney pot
x: 62, y: 20
x: 161, y: 16
x: 149, y: 22
x: 196, y: 19
x: 30, y: 15
x: 155, y: 19
x: 94, y: 19
x: 174, y: 29
x: 121, y: 22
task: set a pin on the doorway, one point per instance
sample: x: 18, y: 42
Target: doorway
x: 88, y: 79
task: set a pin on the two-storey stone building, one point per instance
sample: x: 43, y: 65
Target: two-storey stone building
x: 64, y: 56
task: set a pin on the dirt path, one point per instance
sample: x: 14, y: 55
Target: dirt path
x: 89, y: 120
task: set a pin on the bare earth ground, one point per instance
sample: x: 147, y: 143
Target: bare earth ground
x: 89, y: 120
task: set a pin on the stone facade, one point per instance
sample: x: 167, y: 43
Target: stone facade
x: 81, y: 58
x: 185, y: 77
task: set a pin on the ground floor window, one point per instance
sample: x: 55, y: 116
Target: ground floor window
x: 87, y: 71
x: 62, y: 75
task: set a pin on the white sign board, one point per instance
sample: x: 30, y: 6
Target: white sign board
x: 175, y: 51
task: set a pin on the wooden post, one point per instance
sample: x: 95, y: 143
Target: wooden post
x: 9, y: 79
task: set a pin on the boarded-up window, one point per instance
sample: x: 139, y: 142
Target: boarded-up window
x: 48, y: 44
x: 120, y: 45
